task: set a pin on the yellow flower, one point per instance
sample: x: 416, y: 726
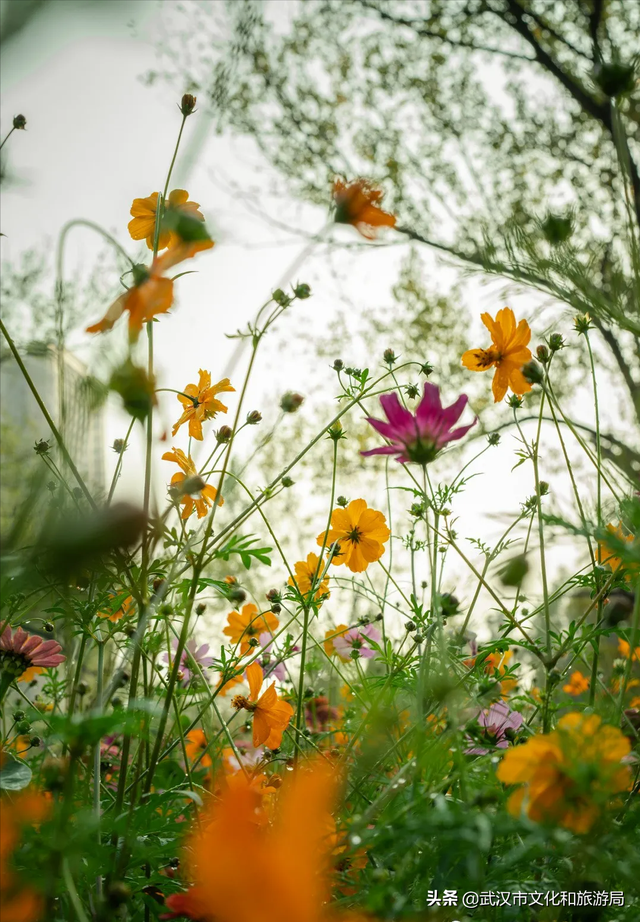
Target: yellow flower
x: 361, y: 533
x: 201, y: 403
x: 507, y: 354
x: 568, y: 776
x: 143, y: 225
x: 577, y: 684
x: 605, y: 555
x: 192, y: 483
x: 305, y: 573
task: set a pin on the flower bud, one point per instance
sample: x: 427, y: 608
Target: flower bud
x: 412, y: 391
x: 19, y: 122
x: 188, y: 104
x: 543, y: 488
x: 426, y: 369
x: 418, y: 638
x: 24, y: 726
x: 416, y: 510
x: 338, y: 365
x: 49, y: 627
x: 582, y: 323
x: 253, y: 642
x: 237, y: 594
x: 557, y: 229
x: 274, y: 595
x: 35, y: 741
x: 515, y: 402
x: 389, y: 356
x: 302, y: 291
x: 287, y: 481
x: 532, y: 372
x: 542, y: 354
x: 276, y: 608
x: 281, y: 298
x: 615, y: 78
x: 158, y: 584
x: 254, y: 417
x: 342, y: 501
x: 291, y: 402
x: 336, y: 432
x: 556, y: 342
x: 224, y: 434
x: 493, y: 438
x: 119, y: 445
x: 410, y: 626
x: 514, y: 571
x: 42, y: 447
x: 201, y: 608
x: 18, y: 716
x: 82, y: 689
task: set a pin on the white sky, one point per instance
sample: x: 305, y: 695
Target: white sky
x: 97, y: 138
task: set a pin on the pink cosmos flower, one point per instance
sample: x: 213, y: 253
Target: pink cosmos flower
x: 26, y: 651
x: 354, y: 642
x: 189, y: 654
x: 421, y: 436
x: 495, y: 721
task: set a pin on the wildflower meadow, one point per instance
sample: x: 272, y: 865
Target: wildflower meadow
x: 297, y: 679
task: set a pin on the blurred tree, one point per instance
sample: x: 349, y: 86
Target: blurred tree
x: 506, y: 131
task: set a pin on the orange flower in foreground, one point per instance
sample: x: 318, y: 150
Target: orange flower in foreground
x: 306, y: 571
x: 358, y: 203
x: 242, y: 627
x: 577, y: 684
x: 606, y: 556
x: 361, y: 533
x: 193, y: 483
x: 507, y: 354
x: 195, y: 744
x: 143, y: 225
x: 201, y: 403
x: 568, y: 776
x: 271, y: 715
x: 272, y: 873
x: 151, y: 294
x: 18, y: 903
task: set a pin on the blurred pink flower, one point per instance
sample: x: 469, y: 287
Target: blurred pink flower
x: 189, y: 654
x: 495, y: 722
x: 355, y: 641
x: 421, y: 436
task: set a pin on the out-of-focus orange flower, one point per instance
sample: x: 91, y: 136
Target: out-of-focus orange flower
x: 358, y: 204
x: 190, y: 905
x: 568, y: 776
x: 495, y: 664
x: 330, y: 636
x: 606, y: 556
x: 271, y: 715
x: 151, y: 294
x: 195, y: 744
x: 624, y: 649
x: 305, y: 571
x: 205, y: 495
x: 143, y: 225
x: 243, y: 626
x: 201, y: 403
x: 18, y: 903
x: 361, y: 532
x: 276, y: 872
x: 577, y: 684
x: 507, y: 354
x: 124, y: 609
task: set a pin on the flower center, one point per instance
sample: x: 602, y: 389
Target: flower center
x: 239, y: 702
x: 354, y: 536
x: 422, y: 451
x: 14, y: 663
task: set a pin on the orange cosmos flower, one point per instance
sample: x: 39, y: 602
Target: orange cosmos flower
x: 195, y: 744
x: 624, y: 649
x: 606, y: 556
x: 192, y: 483
x: 305, y: 573
x: 144, y: 211
x: 277, y: 872
x: 271, y: 715
x: 124, y: 609
x: 361, y: 533
x: 357, y: 203
x: 18, y: 903
x: 241, y: 628
x: 190, y: 905
x: 151, y: 294
x: 330, y: 636
x: 508, y: 353
x: 225, y: 685
x: 568, y: 776
x: 577, y: 684
x: 200, y: 402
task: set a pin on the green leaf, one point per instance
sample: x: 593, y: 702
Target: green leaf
x: 14, y: 775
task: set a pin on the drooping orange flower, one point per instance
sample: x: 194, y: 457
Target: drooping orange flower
x: 330, y: 636
x: 624, y: 649
x: 277, y: 872
x: 577, y: 684
x: 568, y: 776
x: 606, y: 556
x: 195, y: 744
x: 151, y: 294
x: 271, y: 715
x: 18, y: 903
x: 205, y: 495
x: 358, y: 203
x: 143, y: 225
x: 225, y: 685
x: 305, y: 571
x: 201, y: 403
x: 361, y: 533
x: 243, y: 626
x: 507, y: 354
x: 123, y: 610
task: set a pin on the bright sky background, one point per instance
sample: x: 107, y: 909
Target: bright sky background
x: 97, y: 137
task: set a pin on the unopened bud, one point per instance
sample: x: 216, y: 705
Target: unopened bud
x: 410, y: 626
x: 49, y: 627
x: 389, y: 356
x: 302, y: 291
x: 41, y: 447
x: 493, y: 438
x: 254, y: 417
x: 291, y: 402
x: 281, y: 298
x: 338, y: 365
x: 542, y: 354
x: 287, y: 481
x: 19, y: 122
x: 532, y: 373
x: 188, y: 104
x: 342, y: 501
x: 426, y: 369
x: 201, y: 608
x: 119, y: 445
x: 556, y: 342
x: 237, y: 594
x: 224, y: 434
